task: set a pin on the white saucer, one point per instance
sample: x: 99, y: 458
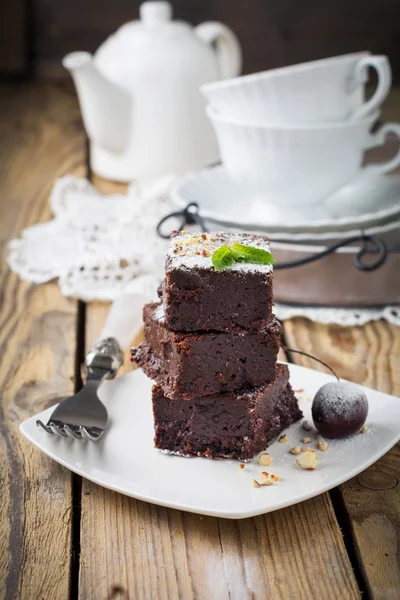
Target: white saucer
x: 126, y: 461
x: 390, y: 230
x: 365, y: 202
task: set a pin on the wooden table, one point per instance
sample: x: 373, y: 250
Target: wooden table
x: 62, y: 536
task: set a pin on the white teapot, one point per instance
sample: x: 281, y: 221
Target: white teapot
x: 139, y: 94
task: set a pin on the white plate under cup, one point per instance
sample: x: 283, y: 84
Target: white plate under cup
x: 367, y: 203
x: 332, y: 89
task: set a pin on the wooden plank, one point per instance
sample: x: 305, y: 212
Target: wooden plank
x: 145, y: 551
x: 131, y: 549
x: 369, y: 355
x: 39, y: 140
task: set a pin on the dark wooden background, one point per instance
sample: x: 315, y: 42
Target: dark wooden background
x: 35, y: 34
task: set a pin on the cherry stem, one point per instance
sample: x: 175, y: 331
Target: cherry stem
x: 310, y: 356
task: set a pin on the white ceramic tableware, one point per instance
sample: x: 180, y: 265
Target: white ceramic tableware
x: 331, y: 89
x: 140, y: 98
x: 365, y: 202
x: 126, y: 461
x: 302, y: 163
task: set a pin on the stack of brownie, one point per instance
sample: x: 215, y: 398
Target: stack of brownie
x: 211, y: 345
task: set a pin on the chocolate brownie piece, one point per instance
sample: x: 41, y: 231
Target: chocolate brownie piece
x: 232, y: 425
x: 197, y: 297
x: 187, y: 364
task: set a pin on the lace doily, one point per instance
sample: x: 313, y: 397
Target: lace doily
x: 100, y: 246
x: 96, y: 245
x: 339, y: 316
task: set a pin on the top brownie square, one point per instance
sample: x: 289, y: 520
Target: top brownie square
x: 197, y: 297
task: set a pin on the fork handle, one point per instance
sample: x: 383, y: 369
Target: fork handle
x: 123, y: 321
x: 106, y: 357
x: 124, y: 318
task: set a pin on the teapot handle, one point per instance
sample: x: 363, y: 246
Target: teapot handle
x: 226, y: 47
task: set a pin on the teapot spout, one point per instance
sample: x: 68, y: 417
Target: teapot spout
x: 105, y: 106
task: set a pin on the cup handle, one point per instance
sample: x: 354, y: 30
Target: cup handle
x: 382, y: 67
x: 378, y: 139
x: 226, y: 47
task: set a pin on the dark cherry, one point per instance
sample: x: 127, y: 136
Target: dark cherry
x: 339, y: 409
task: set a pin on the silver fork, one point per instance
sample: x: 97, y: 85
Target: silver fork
x: 84, y: 416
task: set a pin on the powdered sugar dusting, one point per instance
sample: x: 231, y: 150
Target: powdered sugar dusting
x: 215, y: 458
x: 339, y: 450
x: 159, y: 313
x: 340, y: 399
x: 194, y: 250
x: 175, y: 453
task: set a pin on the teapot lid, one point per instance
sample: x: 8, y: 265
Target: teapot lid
x: 153, y: 15
x: 155, y: 12
x: 144, y: 38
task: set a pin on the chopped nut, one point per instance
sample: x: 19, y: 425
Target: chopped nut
x: 255, y: 484
x: 298, y: 391
x: 267, y: 481
x: 322, y: 444
x: 190, y: 240
x: 283, y: 439
x: 206, y: 253
x: 295, y: 450
x: 306, y: 440
x: 306, y: 425
x: 275, y: 477
x: 265, y: 460
x: 308, y: 460
x: 242, y: 466
x: 203, y: 236
x: 364, y: 429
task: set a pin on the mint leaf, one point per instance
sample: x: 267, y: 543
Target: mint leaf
x: 237, y: 254
x: 249, y: 254
x: 226, y: 256
x: 222, y: 258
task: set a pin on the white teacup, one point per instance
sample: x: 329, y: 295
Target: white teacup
x: 302, y: 163
x: 331, y: 89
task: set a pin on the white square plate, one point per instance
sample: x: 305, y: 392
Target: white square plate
x: 126, y: 461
